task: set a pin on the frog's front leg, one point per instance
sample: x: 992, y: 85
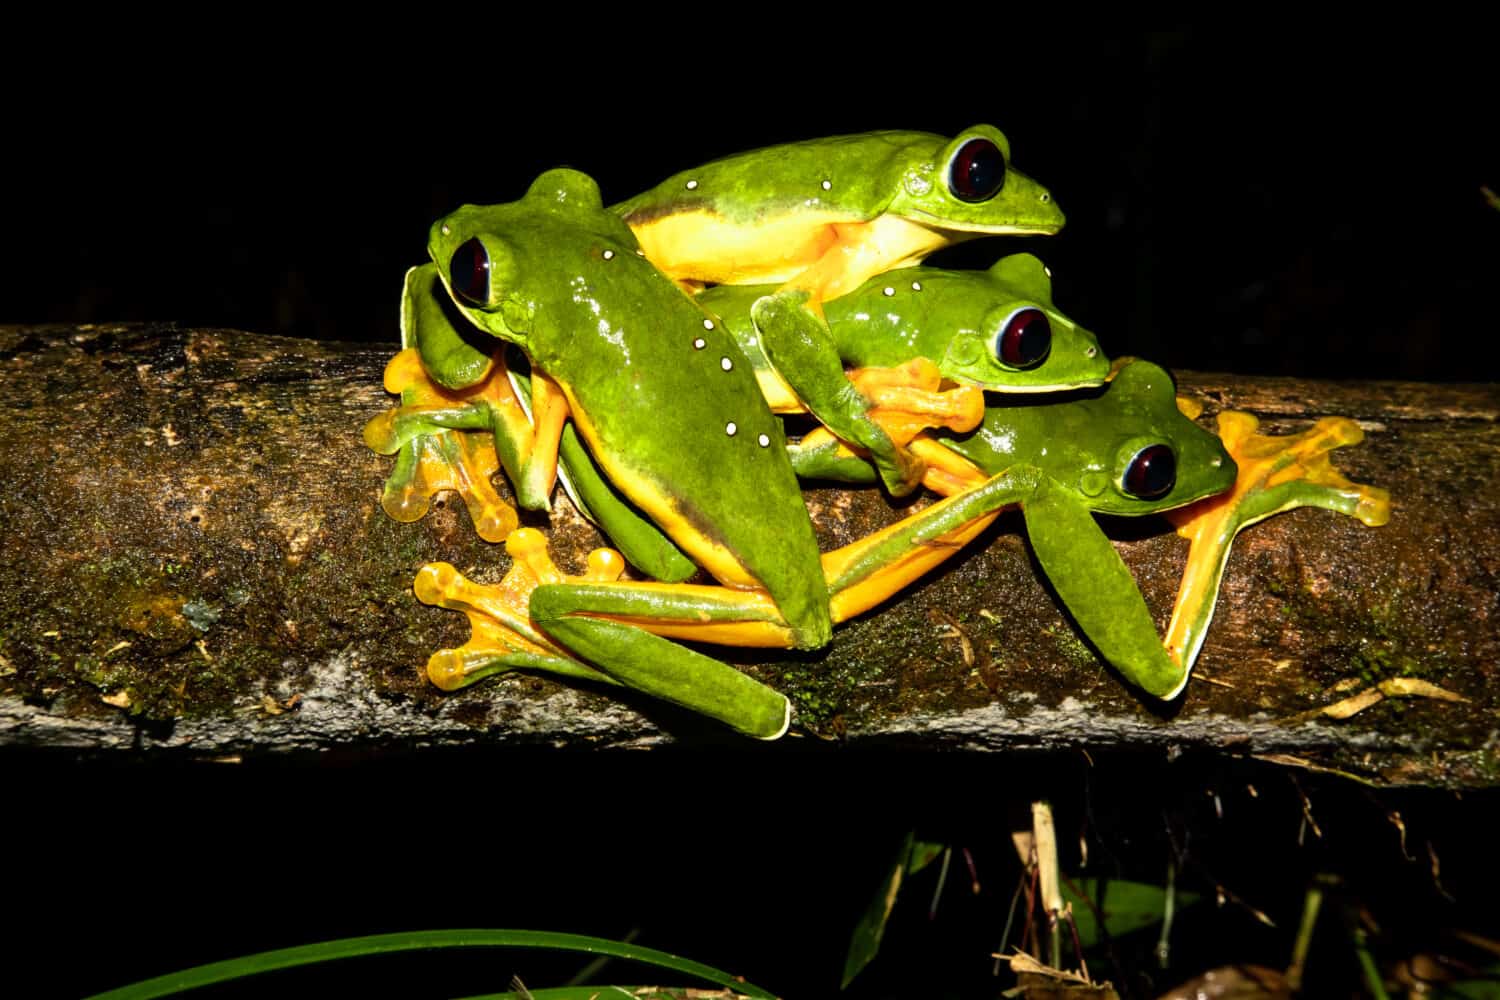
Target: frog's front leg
x: 798, y: 343
x: 429, y: 435
x: 446, y: 384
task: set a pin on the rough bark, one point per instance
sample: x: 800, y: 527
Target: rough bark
x: 195, y: 559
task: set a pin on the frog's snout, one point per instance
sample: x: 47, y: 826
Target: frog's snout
x: 1047, y: 209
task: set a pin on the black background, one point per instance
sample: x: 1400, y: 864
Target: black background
x: 1271, y: 203
x: 1270, y: 200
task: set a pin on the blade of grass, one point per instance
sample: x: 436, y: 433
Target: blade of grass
x: 382, y: 944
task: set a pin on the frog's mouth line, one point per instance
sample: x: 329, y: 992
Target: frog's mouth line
x: 1011, y: 388
x: 946, y: 225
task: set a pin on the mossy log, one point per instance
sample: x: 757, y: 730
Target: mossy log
x: 195, y: 560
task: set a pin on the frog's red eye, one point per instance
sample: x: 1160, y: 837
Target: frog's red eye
x: 977, y: 171
x: 1151, y: 473
x: 1025, y: 339
x: 469, y: 272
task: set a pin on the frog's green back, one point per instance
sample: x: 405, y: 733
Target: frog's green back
x: 855, y: 176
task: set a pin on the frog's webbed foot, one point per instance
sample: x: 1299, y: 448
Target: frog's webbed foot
x: 904, y: 402
x: 433, y: 451
x: 503, y: 636
x: 461, y: 461
x: 908, y: 399
x: 1276, y: 473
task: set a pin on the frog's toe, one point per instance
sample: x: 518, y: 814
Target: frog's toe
x: 380, y: 433
x: 449, y: 460
x: 1374, y: 506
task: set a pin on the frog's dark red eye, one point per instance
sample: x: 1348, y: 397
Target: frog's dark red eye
x: 1025, y: 339
x: 977, y: 171
x: 469, y: 272
x: 1151, y: 473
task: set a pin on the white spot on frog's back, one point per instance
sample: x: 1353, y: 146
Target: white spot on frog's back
x: 691, y: 185
x: 731, y: 428
x: 726, y: 364
x: 827, y: 185
x: 699, y: 344
x: 764, y: 440
x: 608, y: 255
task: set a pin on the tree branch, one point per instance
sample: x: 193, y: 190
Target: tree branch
x: 195, y: 558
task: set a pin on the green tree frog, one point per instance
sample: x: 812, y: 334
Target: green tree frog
x: 996, y: 330
x: 672, y: 411
x: 1161, y: 463
x: 821, y: 217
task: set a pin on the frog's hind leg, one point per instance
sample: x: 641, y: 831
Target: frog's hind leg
x: 472, y: 391
x: 624, y: 627
x: 513, y: 628
x: 865, y: 573
x: 1276, y: 473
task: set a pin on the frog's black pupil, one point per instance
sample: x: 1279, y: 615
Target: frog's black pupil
x: 978, y: 171
x: 1152, y: 472
x: 1026, y: 339
x: 469, y: 271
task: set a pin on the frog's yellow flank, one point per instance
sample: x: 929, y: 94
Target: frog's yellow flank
x: 825, y: 253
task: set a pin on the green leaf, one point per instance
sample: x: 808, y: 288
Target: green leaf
x: 1126, y: 906
x: 598, y: 993
x: 1485, y: 988
x: 923, y: 853
x: 382, y: 944
x: 871, y: 926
